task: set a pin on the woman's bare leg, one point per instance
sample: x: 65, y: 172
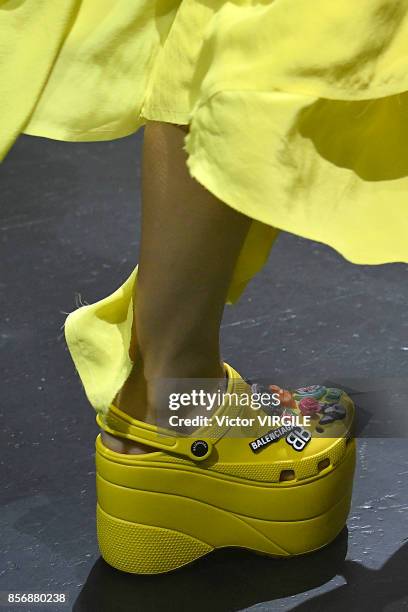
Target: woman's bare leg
x: 190, y: 242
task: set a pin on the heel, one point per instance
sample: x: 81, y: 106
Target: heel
x: 143, y: 549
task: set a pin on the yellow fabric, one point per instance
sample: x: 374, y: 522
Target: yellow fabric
x: 297, y: 111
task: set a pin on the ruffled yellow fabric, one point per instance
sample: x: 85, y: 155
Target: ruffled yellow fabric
x: 297, y: 112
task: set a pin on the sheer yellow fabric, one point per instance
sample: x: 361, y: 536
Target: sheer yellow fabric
x: 297, y: 112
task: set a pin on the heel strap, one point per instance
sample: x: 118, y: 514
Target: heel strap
x: 197, y: 446
x: 120, y: 424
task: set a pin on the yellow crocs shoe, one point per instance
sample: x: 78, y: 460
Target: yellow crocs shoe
x: 282, y: 490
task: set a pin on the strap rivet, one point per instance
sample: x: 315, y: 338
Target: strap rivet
x: 199, y: 448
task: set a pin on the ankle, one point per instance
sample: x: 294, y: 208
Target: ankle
x: 185, y: 366
x: 182, y: 358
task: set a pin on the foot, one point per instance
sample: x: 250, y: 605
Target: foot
x: 133, y: 393
x: 121, y: 445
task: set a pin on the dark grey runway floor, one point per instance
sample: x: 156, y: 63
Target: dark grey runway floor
x: 69, y: 232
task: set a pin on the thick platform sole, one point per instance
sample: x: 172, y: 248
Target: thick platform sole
x: 151, y: 532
